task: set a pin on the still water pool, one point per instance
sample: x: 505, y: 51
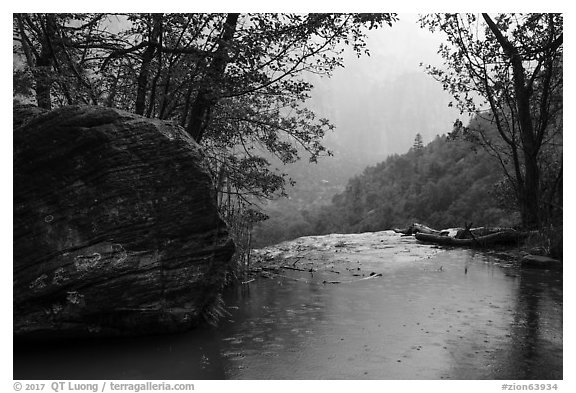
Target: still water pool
x: 459, y: 314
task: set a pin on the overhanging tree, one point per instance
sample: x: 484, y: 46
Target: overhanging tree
x: 235, y: 82
x: 507, y: 69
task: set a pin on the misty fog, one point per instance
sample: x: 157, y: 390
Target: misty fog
x: 378, y: 103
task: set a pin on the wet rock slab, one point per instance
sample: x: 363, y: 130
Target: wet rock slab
x: 357, y: 255
x: 540, y: 262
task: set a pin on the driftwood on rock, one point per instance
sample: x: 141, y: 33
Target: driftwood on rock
x: 471, y: 233
x: 468, y: 236
x: 419, y: 228
x: 502, y: 237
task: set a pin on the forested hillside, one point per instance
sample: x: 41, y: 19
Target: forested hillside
x: 443, y: 184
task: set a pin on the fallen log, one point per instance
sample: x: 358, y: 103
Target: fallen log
x: 419, y: 228
x: 470, y: 233
x: 504, y: 237
x: 405, y: 231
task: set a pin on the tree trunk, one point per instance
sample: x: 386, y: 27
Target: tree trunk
x: 531, y: 206
x: 206, y: 98
x: 43, y: 85
x: 529, y: 202
x: 147, y: 58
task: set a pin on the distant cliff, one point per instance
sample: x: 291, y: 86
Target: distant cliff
x: 116, y: 230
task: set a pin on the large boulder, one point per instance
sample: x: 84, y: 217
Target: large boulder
x: 116, y: 230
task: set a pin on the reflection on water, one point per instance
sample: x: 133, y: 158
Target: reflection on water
x: 457, y: 315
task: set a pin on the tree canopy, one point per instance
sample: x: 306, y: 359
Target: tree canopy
x: 235, y: 82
